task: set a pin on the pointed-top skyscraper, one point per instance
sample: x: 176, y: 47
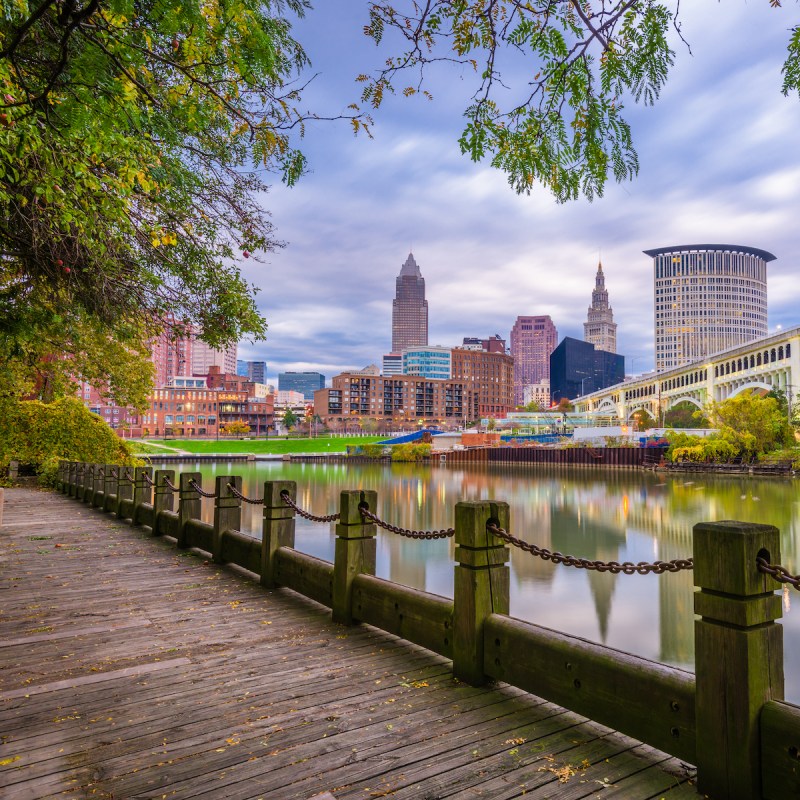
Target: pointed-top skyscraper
x: 600, y: 328
x: 409, y: 308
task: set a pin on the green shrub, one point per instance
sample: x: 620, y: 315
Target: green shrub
x: 410, y: 452
x: 372, y: 450
x: 42, y: 434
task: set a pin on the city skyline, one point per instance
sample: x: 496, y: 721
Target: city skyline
x: 719, y: 162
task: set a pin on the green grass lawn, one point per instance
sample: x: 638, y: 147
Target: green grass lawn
x: 271, y: 446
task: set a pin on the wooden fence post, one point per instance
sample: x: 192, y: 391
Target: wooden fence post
x: 88, y: 483
x: 110, y: 487
x: 163, y: 496
x: 738, y: 653
x: 278, y: 527
x: 481, y: 583
x: 189, y: 504
x: 227, y: 512
x: 98, y: 486
x: 72, y: 478
x: 355, y: 550
x: 142, y: 491
x: 124, y: 488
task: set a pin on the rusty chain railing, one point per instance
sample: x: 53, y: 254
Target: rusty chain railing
x: 236, y: 493
x: 614, y: 567
x: 408, y: 533
x: 306, y: 514
x: 781, y: 574
x: 778, y: 572
x: 199, y: 489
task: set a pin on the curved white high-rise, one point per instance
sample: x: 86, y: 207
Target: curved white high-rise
x: 708, y: 297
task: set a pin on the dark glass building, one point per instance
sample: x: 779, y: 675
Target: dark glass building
x: 409, y: 309
x: 305, y: 382
x: 577, y: 368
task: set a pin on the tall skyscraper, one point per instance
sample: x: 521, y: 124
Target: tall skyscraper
x: 708, y: 297
x: 600, y: 328
x: 409, y: 308
x: 532, y: 340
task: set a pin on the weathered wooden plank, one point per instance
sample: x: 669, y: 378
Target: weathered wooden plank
x: 420, y: 617
x: 199, y: 534
x: 310, y: 576
x: 265, y: 704
x: 641, y: 698
x: 780, y: 750
x: 240, y: 549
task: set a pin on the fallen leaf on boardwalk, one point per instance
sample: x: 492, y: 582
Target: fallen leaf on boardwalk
x: 515, y: 741
x: 233, y: 739
x: 562, y: 773
x: 6, y: 761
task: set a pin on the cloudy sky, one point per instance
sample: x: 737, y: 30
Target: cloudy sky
x: 719, y: 162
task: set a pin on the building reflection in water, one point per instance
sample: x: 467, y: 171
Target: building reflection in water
x: 621, y: 515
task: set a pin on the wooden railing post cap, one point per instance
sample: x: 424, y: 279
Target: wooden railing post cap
x: 725, y: 556
x: 226, y: 498
x: 350, y: 502
x: 273, y: 491
x: 472, y: 518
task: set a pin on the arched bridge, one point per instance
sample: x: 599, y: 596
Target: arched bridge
x: 762, y: 365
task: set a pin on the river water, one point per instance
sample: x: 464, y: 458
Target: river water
x: 621, y: 515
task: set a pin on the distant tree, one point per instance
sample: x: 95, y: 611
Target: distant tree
x: 368, y: 424
x: 491, y: 424
x: 685, y: 415
x: 289, y: 419
x: 532, y: 407
x: 565, y: 405
x: 236, y: 428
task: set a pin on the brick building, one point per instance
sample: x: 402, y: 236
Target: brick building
x: 399, y: 400
x: 489, y: 375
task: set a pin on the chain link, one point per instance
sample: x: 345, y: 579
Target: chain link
x: 147, y: 479
x: 199, y: 489
x: 614, y: 567
x: 114, y: 473
x: 781, y: 574
x: 101, y: 473
x: 410, y: 534
x: 169, y: 484
x: 306, y: 514
x: 128, y: 475
x: 236, y: 493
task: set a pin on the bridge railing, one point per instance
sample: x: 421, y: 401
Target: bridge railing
x: 728, y: 718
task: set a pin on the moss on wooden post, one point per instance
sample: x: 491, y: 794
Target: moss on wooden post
x: 142, y: 493
x: 98, y: 496
x: 278, y: 527
x: 227, y: 512
x: 72, y: 480
x: 355, y: 550
x: 163, y: 496
x: 481, y: 584
x: 124, y: 491
x: 110, y: 487
x: 88, y: 483
x: 189, y: 504
x: 739, y: 653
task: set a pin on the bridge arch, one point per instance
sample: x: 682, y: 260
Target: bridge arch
x: 684, y: 399
x: 759, y: 386
x: 607, y: 405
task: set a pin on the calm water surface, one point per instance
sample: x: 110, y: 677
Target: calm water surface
x: 621, y: 516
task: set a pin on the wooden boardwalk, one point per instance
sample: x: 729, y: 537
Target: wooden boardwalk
x: 130, y: 670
